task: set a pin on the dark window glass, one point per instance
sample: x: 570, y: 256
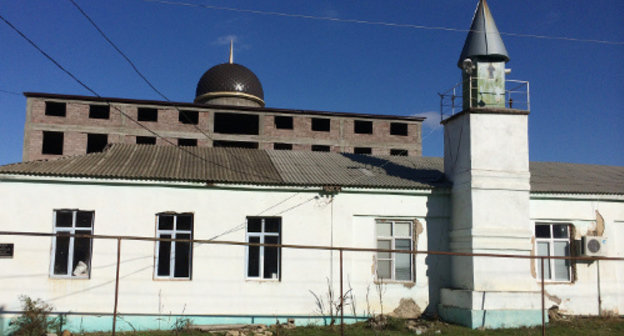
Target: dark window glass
x: 64, y: 218
x: 282, y: 146
x: 542, y: 231
x: 320, y: 124
x: 164, y: 255
x: 52, y: 143
x: 99, y: 111
x: 55, y: 109
x: 398, y: 128
x: 165, y: 222
x: 185, y: 222
x: 398, y: 152
x: 271, y: 255
x: 187, y: 142
x: 96, y: 142
x: 362, y: 150
x: 320, y: 148
x: 182, y: 257
x: 560, y: 231
x: 253, y: 262
x: 84, y: 219
x: 363, y: 127
x: 283, y: 122
x: 188, y: 117
x: 60, y: 255
x: 236, y: 123
x: 147, y: 114
x: 146, y: 140
x: 235, y: 144
x: 254, y: 225
x: 272, y: 224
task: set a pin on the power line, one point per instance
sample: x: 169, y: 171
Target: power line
x: 376, y: 23
x: 149, y: 83
x: 109, y: 103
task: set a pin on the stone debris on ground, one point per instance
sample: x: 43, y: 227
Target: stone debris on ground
x: 242, y: 329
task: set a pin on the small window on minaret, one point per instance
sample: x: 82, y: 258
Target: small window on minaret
x: 55, y: 109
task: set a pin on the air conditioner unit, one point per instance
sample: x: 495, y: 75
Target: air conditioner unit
x: 594, y: 246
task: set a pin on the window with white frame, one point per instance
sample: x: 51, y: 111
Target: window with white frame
x: 394, y: 235
x: 263, y: 262
x: 71, y: 254
x: 174, y: 258
x: 553, y: 239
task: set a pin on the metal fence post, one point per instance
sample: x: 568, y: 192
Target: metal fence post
x: 116, y: 285
x: 543, y: 305
x: 341, y: 299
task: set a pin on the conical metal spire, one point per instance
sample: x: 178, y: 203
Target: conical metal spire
x: 483, y: 41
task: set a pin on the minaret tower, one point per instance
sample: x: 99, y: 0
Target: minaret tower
x: 486, y: 157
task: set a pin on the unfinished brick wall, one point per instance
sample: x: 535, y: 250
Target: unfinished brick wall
x: 76, y: 124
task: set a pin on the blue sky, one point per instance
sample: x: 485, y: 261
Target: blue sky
x: 577, y: 87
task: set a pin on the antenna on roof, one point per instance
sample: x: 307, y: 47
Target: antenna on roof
x: 231, y: 51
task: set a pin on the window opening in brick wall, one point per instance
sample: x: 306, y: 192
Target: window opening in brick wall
x: 96, y: 142
x: 147, y: 114
x: 398, y: 128
x: 394, y: 235
x: 187, y: 142
x: 553, y: 239
x: 362, y: 150
x: 52, y: 143
x: 188, y: 117
x: 283, y: 122
x: 174, y: 259
x: 363, y: 127
x: 146, y: 140
x: 235, y: 144
x: 398, y: 152
x: 263, y: 262
x: 320, y: 124
x: 236, y: 123
x: 99, y: 111
x: 55, y: 109
x: 282, y: 146
x: 71, y: 256
x: 320, y: 148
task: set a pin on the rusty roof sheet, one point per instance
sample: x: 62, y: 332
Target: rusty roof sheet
x: 299, y: 168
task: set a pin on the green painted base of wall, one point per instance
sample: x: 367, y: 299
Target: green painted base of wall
x: 491, y: 319
x: 76, y: 322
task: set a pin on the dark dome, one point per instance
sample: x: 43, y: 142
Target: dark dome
x: 229, y: 80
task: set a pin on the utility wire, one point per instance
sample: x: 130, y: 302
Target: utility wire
x: 376, y: 23
x: 147, y: 81
x: 109, y: 103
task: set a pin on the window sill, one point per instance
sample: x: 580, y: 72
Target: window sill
x: 62, y: 277
x: 398, y: 282
x: 171, y: 279
x: 262, y: 280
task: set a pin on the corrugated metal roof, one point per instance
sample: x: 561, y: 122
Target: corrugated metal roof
x: 299, y: 168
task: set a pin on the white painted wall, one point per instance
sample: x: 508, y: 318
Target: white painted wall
x: 581, y: 295
x: 219, y: 285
